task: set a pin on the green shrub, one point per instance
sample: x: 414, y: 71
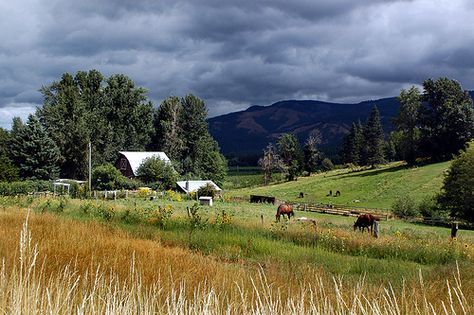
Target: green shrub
x: 207, y: 190
x: 405, y: 207
x: 24, y: 187
x: 327, y: 165
x: 158, y: 172
x: 108, y: 177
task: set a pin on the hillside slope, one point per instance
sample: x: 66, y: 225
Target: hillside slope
x: 374, y: 188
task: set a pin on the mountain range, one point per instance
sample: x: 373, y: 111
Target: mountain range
x: 246, y: 133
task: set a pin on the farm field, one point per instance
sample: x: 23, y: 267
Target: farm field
x: 155, y: 257
x: 373, y: 188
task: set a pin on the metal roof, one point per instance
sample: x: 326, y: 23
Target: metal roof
x: 194, y: 185
x: 135, y: 158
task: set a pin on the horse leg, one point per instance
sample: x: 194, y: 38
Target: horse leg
x: 277, y: 217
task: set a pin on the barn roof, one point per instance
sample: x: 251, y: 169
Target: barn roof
x: 135, y: 158
x: 194, y: 185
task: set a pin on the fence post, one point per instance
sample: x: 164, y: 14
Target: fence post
x: 376, y: 229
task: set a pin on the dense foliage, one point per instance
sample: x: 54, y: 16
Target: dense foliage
x: 365, y: 144
x: 435, y: 123
x: 108, y: 177
x: 182, y: 130
x: 457, y: 194
x: 33, y: 151
x: 158, y: 172
x: 113, y: 114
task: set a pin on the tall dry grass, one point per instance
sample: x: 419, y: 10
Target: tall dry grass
x: 58, y: 266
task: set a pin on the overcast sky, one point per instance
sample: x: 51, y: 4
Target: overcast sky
x: 234, y: 54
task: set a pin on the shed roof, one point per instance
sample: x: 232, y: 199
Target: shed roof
x: 135, y: 158
x: 194, y: 185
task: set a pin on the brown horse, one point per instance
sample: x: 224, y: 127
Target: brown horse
x: 365, y: 221
x: 284, y: 209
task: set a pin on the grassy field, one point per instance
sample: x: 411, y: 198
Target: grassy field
x: 169, y: 256
x: 222, y: 257
x: 373, y: 188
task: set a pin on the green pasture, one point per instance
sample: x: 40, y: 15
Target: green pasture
x: 372, y: 188
x: 239, y: 232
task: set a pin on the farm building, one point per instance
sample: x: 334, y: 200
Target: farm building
x: 129, y: 161
x: 189, y: 186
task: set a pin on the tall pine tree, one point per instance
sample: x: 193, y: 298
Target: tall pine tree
x: 34, y: 151
x: 373, y: 147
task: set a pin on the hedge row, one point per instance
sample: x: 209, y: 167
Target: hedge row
x: 24, y: 187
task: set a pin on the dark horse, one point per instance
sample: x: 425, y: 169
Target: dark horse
x: 284, y: 209
x: 365, y: 221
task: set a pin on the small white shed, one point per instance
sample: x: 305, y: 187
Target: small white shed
x: 205, y: 201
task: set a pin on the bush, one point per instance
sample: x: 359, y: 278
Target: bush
x: 405, y: 207
x: 108, y: 177
x: 158, y: 172
x: 24, y: 187
x: 207, y: 190
x: 327, y: 165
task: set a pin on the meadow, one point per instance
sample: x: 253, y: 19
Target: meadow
x: 363, y: 187
x: 170, y: 256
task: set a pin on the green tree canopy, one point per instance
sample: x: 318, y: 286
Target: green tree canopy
x: 457, y: 194
x: 407, y: 124
x: 446, y: 118
x: 153, y: 170
x: 113, y: 114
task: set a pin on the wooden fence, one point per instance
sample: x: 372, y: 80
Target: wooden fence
x: 340, y: 210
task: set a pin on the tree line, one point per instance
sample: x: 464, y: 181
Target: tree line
x: 432, y: 125
x: 113, y: 114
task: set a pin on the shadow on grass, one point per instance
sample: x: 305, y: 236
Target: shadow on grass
x: 375, y: 171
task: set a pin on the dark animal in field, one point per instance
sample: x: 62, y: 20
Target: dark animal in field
x: 301, y: 194
x: 284, y: 209
x: 330, y: 193
x: 365, y: 221
x: 338, y: 193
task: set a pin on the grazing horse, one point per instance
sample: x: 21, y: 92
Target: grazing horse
x: 284, y: 209
x: 365, y: 221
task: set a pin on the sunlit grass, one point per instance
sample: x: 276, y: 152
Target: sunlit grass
x: 55, y: 265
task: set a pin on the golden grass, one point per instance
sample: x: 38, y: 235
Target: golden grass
x: 61, y: 266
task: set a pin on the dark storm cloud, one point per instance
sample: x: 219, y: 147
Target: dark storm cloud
x: 235, y: 53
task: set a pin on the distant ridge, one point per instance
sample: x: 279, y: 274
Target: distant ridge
x: 247, y: 132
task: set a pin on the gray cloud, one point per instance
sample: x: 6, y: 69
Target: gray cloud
x: 234, y: 54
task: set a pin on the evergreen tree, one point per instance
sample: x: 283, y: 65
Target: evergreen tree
x: 352, y: 145
x: 34, y: 151
x: 446, y: 118
x: 8, y: 171
x: 407, y: 124
x: 373, y: 151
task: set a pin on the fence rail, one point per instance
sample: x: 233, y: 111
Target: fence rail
x: 339, y: 210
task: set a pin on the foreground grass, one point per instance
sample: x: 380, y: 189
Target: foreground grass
x: 373, y: 188
x: 66, y: 266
